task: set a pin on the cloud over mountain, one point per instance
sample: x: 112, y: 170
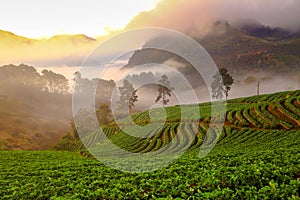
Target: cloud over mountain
x: 197, y: 15
x: 193, y: 17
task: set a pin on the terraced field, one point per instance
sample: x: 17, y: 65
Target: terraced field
x: 279, y: 112
x: 257, y: 157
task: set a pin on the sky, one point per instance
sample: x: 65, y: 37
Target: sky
x: 45, y: 18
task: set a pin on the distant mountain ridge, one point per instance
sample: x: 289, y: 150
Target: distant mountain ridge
x: 11, y: 34
x: 69, y: 50
x: 6, y: 36
x: 247, y: 47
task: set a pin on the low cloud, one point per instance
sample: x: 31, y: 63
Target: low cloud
x: 190, y: 16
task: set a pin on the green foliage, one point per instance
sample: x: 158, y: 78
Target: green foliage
x: 256, y: 157
x: 66, y: 143
x: 262, y: 168
x: 74, y: 130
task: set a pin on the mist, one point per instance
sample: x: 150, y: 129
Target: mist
x: 269, y: 83
x: 35, y: 107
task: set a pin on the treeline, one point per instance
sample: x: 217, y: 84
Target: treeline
x: 35, y: 107
x: 102, y: 89
x: 27, y: 77
x: 23, y: 81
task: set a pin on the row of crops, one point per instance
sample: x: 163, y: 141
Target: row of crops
x: 246, y: 111
x: 281, y: 113
x: 256, y: 156
x: 276, y: 114
x: 267, y: 97
x: 246, y: 164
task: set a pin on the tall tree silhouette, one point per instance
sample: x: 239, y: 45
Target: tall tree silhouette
x: 128, y: 96
x: 164, y: 90
x: 103, y: 114
x: 222, y: 84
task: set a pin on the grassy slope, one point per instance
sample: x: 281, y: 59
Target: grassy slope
x: 275, y: 112
x: 249, y: 161
x: 32, y: 125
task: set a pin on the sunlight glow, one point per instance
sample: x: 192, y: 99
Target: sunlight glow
x: 38, y: 19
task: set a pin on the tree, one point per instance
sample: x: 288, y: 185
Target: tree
x: 20, y: 77
x: 66, y: 143
x: 87, y: 87
x: 55, y: 83
x: 83, y: 86
x: 74, y: 130
x: 128, y: 96
x: 164, y: 90
x: 222, y: 84
x: 104, y: 90
x: 103, y: 114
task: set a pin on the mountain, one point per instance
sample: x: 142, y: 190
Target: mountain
x: 9, y: 38
x: 74, y: 40
x: 259, y: 30
x: 245, y: 46
x: 240, y: 48
x: 67, y: 50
